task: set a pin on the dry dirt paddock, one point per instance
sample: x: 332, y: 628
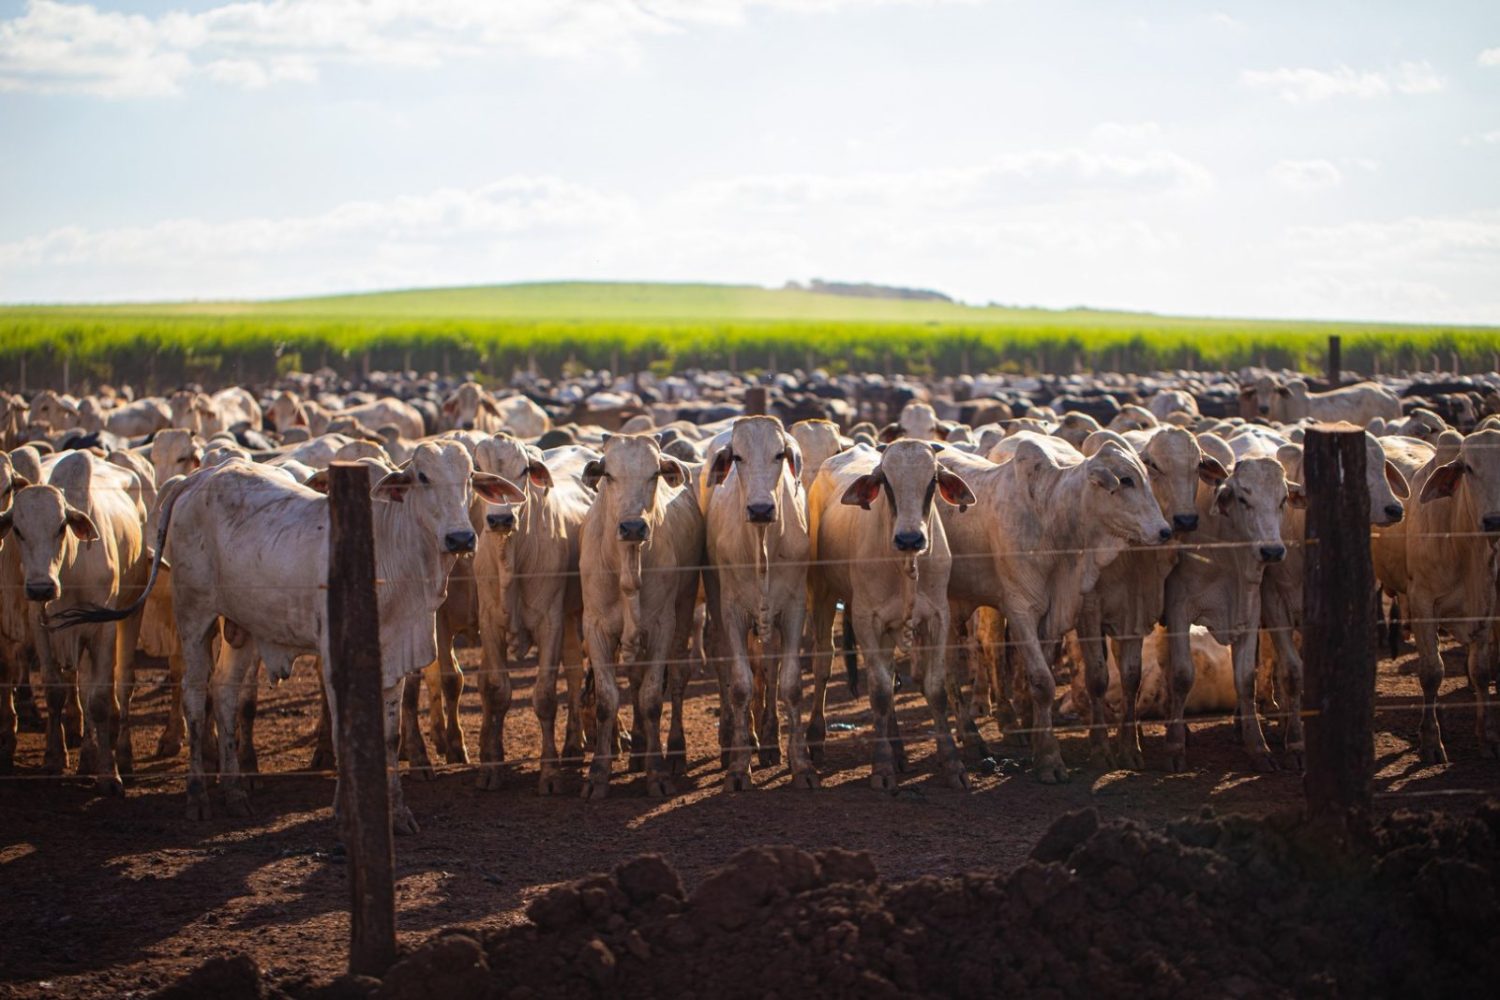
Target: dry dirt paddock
x: 111, y: 897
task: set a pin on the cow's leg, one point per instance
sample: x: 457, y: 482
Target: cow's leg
x: 197, y: 655
x: 97, y: 685
x: 544, y: 702
x: 767, y: 729
x: 880, y: 679
x: 409, y: 728
x: 648, y: 712
x: 248, y: 704
x: 737, y: 777
x: 822, y: 602
x: 9, y: 671
x: 574, y: 740
x: 1486, y: 725
x: 452, y: 684
x: 236, y: 668
x: 1096, y: 679
x: 716, y: 654
x: 127, y: 635
x: 1128, y: 744
x: 601, y: 646
x: 1179, y: 682
x: 322, y: 758
x: 402, y: 821
x: 1430, y: 672
x: 58, y: 694
x: 935, y: 688
x: 494, y: 702
x: 432, y: 680
x: 679, y: 674
x: 964, y: 687
x: 170, y: 743
x: 1289, y: 673
x: 1244, y: 650
x: 1011, y: 713
x: 789, y: 693
x: 1047, y: 762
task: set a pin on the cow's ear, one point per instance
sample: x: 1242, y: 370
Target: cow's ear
x: 863, y: 491
x: 1442, y: 482
x: 1397, y: 481
x: 673, y: 471
x: 891, y: 432
x: 300, y: 420
x: 318, y: 482
x: 393, y: 486
x: 1222, y: 500
x: 719, y: 471
x: 1210, y: 471
x: 1296, y: 495
x: 5, y: 520
x: 81, y: 525
x: 1248, y: 390
x: 539, y: 474
x: 1282, y: 390
x: 1101, y: 476
x: 793, y: 455
x: 954, y: 489
x: 936, y: 446
x: 450, y: 405
x: 488, y: 405
x: 592, y: 473
x: 496, y: 489
x: 18, y: 483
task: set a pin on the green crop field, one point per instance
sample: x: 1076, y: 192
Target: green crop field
x: 557, y: 326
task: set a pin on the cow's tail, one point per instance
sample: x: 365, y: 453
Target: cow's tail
x: 88, y: 614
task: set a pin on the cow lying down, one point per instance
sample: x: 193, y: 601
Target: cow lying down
x: 1213, y: 679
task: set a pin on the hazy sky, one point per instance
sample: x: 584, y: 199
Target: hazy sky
x: 1319, y: 159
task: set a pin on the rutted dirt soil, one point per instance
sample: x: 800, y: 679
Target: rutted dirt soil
x: 121, y: 897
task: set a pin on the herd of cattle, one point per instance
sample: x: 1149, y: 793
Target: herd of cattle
x: 969, y: 532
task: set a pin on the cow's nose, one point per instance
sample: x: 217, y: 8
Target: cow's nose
x: 467, y: 425
x: 1492, y: 522
x: 1272, y: 553
x: 633, y: 530
x: 1185, y: 522
x: 1265, y: 411
x: 1395, y: 512
x: 761, y: 513
x: 459, y: 541
x: 910, y: 541
x: 46, y: 591
x: 1165, y: 534
x: 501, y: 522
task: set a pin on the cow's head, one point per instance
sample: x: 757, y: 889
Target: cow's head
x: 437, y: 486
x: 1252, y: 499
x: 1177, y: 464
x: 1120, y: 496
x: 467, y: 408
x: 633, y: 479
x: 46, y: 528
x: 909, y: 476
x: 286, y: 412
x: 517, y: 462
x: 1388, y: 487
x: 175, y: 452
x: 57, y: 412
x: 758, y: 455
x: 1472, y: 476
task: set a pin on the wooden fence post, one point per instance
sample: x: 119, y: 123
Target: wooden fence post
x: 1335, y: 362
x: 364, y: 795
x: 1338, y: 633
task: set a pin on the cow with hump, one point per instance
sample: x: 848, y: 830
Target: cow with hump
x: 758, y: 547
x: 878, y: 544
x: 1049, y: 520
x: 640, y: 549
x: 250, y: 545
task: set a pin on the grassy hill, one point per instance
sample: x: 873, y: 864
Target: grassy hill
x: 492, y: 328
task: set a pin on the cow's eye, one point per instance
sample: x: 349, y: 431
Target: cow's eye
x: 1243, y: 501
x: 17, y: 532
x: 61, y: 531
x: 1126, y: 481
x: 422, y: 477
x: 736, y: 459
x: 780, y: 456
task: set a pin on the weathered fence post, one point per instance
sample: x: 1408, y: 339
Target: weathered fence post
x: 756, y: 401
x: 1335, y: 362
x: 354, y: 647
x: 1338, y: 633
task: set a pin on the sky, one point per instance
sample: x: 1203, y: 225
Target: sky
x: 1321, y: 159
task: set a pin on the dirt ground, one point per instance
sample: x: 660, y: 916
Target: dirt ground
x: 111, y: 897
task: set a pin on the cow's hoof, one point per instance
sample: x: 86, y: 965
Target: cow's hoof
x: 954, y: 776
x: 404, y: 823
x: 770, y: 757
x: 1129, y: 758
x: 550, y: 784
x: 677, y: 764
x: 658, y: 786
x: 54, y: 766
x: 572, y: 755
x: 237, y: 803
x: 168, y: 747
x: 1262, y: 762
x: 458, y: 753
x: 883, y: 782
x: 974, y: 750
x: 1433, y: 753
x: 1050, y: 770
x: 111, y: 786
x: 1100, y: 759
x: 88, y: 761
x: 594, y: 790
x: 422, y: 771
x: 737, y: 781
x: 806, y: 780
x: 7, y: 762
x: 1177, y: 760
x: 636, y: 764
x: 198, y: 808
x: 488, y: 778
x: 1296, y: 759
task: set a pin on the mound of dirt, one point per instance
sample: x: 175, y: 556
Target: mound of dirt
x: 1222, y: 906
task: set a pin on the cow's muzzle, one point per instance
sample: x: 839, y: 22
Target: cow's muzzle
x: 910, y: 541
x: 1272, y: 553
x: 761, y: 513
x: 459, y: 541
x: 634, y: 530
x: 503, y: 523
x: 1184, y: 522
x: 45, y: 591
x: 1394, y: 512
x: 1492, y: 522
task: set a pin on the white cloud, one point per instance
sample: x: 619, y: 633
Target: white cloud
x: 1303, y: 85
x: 1490, y: 57
x: 61, y: 47
x: 1489, y: 138
x: 1306, y: 176
x: 1126, y: 131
